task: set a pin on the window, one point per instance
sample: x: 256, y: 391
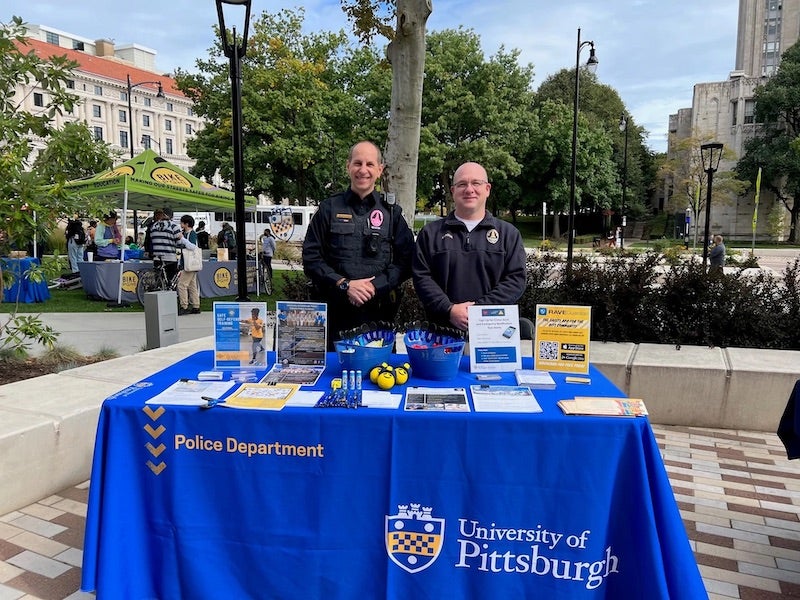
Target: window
x: 749, y: 112
x: 52, y: 38
x: 70, y: 84
x: 98, y: 133
x: 190, y: 111
x: 189, y: 130
x: 146, y: 142
x: 123, y: 139
x: 98, y: 90
x: 148, y: 102
x: 146, y: 120
x: 123, y: 96
x: 38, y: 99
x: 170, y: 107
x: 123, y: 116
x: 168, y: 124
x: 734, y: 112
x: 97, y: 111
x: 76, y: 45
x: 169, y: 146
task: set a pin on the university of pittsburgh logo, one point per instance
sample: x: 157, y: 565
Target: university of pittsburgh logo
x: 413, y: 537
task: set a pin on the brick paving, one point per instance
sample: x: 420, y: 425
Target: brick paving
x: 738, y: 495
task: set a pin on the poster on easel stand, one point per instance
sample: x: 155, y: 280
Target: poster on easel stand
x: 239, y: 331
x: 562, y: 338
x: 494, y: 344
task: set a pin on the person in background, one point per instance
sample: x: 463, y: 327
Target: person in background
x: 107, y: 237
x: 202, y: 235
x: 357, y: 251
x: 76, y: 243
x: 268, y: 250
x: 164, y: 239
x: 90, y: 245
x: 470, y: 256
x: 716, y: 256
x: 188, y: 289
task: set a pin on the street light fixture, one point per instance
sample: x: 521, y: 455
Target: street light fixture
x: 623, y: 126
x: 591, y: 65
x: 148, y: 141
x: 710, y: 155
x: 333, y: 157
x: 234, y: 50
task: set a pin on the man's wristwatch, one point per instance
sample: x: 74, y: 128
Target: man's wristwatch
x: 344, y: 285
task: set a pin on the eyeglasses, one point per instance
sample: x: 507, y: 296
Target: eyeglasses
x: 476, y: 183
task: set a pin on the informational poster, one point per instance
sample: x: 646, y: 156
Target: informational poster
x: 239, y: 330
x: 562, y: 338
x: 494, y: 339
x: 300, y: 342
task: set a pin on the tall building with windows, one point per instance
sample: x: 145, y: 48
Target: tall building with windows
x: 725, y: 111
x: 100, y: 81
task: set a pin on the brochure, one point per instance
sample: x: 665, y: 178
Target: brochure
x: 609, y: 407
x: 437, y: 399
x: 299, y: 343
x: 504, y: 398
x: 494, y: 345
x: 536, y: 380
x: 261, y: 396
x: 239, y: 330
x: 187, y: 392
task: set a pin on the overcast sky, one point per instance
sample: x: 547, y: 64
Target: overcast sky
x: 651, y: 51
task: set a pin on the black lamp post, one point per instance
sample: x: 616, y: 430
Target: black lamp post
x: 591, y: 64
x: 159, y: 94
x: 710, y: 155
x: 148, y: 141
x: 236, y: 49
x: 623, y: 126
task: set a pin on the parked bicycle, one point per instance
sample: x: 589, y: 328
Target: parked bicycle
x: 155, y: 280
x: 265, y: 281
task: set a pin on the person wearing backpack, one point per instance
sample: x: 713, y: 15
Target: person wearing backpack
x: 76, y: 243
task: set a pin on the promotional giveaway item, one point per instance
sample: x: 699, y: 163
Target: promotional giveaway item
x: 434, y: 352
x: 239, y: 329
x: 494, y: 339
x: 562, y: 338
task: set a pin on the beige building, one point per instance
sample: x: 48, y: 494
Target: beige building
x: 164, y: 124
x: 724, y: 111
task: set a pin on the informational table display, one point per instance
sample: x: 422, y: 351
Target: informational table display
x: 300, y: 339
x: 239, y: 329
x: 100, y: 279
x: 432, y: 500
x: 562, y: 338
x: 22, y: 288
x: 494, y: 339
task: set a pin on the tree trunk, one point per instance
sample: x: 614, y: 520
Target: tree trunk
x: 406, y: 53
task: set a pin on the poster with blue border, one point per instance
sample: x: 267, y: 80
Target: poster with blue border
x: 240, y: 330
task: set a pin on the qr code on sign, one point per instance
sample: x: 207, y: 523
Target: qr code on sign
x: 548, y: 350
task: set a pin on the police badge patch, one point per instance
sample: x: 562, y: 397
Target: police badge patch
x: 414, y: 537
x: 281, y: 222
x: 492, y: 236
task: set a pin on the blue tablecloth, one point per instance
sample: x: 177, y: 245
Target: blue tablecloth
x: 373, y: 503
x: 23, y: 287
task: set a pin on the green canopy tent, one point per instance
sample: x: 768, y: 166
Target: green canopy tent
x: 147, y: 182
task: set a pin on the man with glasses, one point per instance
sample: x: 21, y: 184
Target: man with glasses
x: 470, y: 256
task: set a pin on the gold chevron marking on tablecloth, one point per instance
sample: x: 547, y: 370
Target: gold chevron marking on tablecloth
x: 156, y: 468
x: 154, y: 414
x: 155, y: 450
x: 154, y: 433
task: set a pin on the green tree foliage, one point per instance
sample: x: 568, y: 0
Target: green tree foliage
x: 73, y: 153
x: 299, y: 92
x: 775, y: 147
x: 473, y: 109
x: 601, y: 105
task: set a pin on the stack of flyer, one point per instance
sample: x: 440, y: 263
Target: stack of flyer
x: 610, y: 407
x: 536, y: 380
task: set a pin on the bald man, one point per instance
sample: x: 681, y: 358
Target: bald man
x: 470, y: 256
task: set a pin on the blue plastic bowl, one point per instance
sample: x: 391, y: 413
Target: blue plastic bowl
x: 438, y: 360
x: 355, y: 355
